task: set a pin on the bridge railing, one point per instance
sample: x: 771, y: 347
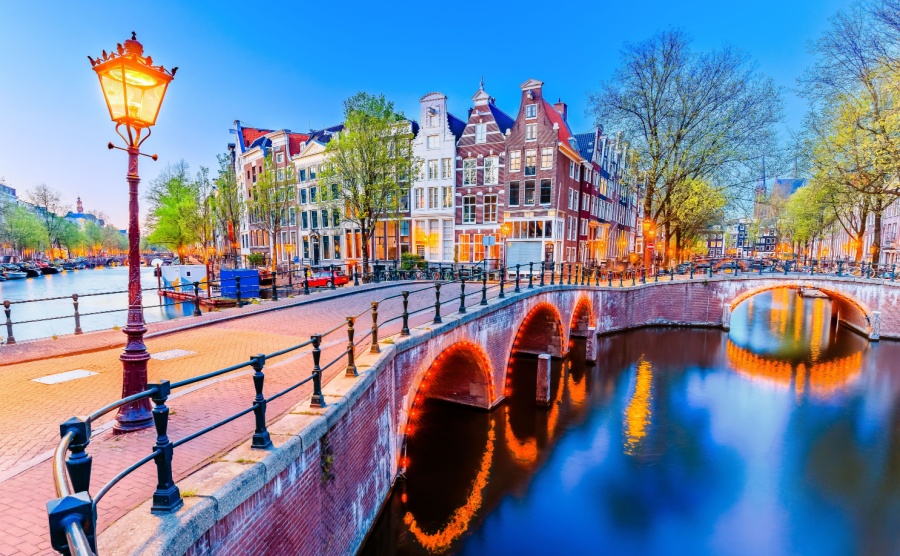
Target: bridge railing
x: 73, y: 514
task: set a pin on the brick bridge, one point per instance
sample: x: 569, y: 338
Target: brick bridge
x: 319, y: 490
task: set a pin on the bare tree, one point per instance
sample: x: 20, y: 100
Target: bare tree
x: 690, y: 115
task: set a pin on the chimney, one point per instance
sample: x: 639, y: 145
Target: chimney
x: 561, y: 107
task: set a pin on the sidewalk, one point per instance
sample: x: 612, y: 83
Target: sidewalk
x: 30, y: 422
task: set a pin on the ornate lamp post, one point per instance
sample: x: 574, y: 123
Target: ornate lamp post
x: 133, y: 89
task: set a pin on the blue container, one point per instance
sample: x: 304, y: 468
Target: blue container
x: 249, y: 283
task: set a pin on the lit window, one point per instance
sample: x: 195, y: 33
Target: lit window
x: 530, y: 132
x: 547, y: 158
x: 531, y: 111
x: 491, y: 170
x: 515, y: 161
x: 469, y: 172
x: 418, y: 200
x: 530, y: 162
x: 465, y: 248
x: 480, y: 133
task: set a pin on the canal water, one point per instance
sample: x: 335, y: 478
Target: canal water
x: 780, y: 437
x: 85, y: 283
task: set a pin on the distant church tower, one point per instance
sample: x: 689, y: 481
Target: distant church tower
x: 79, y: 206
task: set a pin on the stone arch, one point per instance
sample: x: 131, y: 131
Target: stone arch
x: 541, y: 331
x: 849, y: 310
x: 582, y: 318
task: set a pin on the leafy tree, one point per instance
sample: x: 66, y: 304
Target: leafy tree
x: 370, y: 162
x: 70, y: 236
x: 174, y: 212
x: 228, y: 203
x: 93, y: 236
x: 50, y: 209
x: 697, y: 207
x: 22, y: 229
x: 690, y: 115
x: 113, y: 240
x: 270, y: 201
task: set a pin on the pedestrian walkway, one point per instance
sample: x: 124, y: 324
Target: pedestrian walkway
x: 30, y: 422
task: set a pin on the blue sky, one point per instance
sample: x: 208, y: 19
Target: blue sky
x: 291, y: 64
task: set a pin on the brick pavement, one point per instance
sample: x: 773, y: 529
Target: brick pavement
x: 23, y: 496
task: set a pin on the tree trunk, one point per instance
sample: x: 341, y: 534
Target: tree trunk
x: 364, y: 239
x: 876, y: 238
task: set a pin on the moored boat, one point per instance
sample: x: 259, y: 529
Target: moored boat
x: 16, y: 275
x: 49, y: 269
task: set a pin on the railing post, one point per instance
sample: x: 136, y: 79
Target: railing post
x: 275, y: 285
x: 355, y: 275
x: 483, y: 288
x: 552, y: 273
x: 77, y: 314
x: 462, y: 294
x: 305, y: 280
x: 333, y: 286
x: 375, y: 348
x: 517, y: 290
x: 633, y: 277
x: 568, y: 267
x: 437, y: 303
x: 840, y: 266
x: 531, y: 275
x: 710, y: 270
x: 237, y: 287
x: 351, y: 349
x: 166, y: 498
x: 692, y: 271
x: 404, y: 331
x: 622, y: 278
x: 10, y: 339
x: 644, y: 275
x: 543, y: 268
x: 197, y: 312
x: 609, y: 276
x: 893, y: 271
x: 656, y: 276
x: 261, y: 438
x: 502, y: 293
x: 78, y: 464
x: 317, y: 399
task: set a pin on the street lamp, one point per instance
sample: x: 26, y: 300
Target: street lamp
x: 133, y: 89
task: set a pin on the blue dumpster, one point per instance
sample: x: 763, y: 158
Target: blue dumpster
x: 249, y: 283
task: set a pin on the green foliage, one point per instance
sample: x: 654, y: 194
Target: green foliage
x: 409, y: 261
x: 256, y: 259
x: 271, y: 199
x: 370, y: 161
x: 21, y: 229
x: 175, y: 210
x: 697, y: 206
x: 227, y: 206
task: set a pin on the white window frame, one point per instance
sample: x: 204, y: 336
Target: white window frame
x: 480, y: 133
x: 547, y: 152
x: 530, y: 111
x: 531, y: 132
x: 470, y: 172
x: 515, y: 161
x: 491, y: 170
x: 431, y: 142
x: 433, y: 169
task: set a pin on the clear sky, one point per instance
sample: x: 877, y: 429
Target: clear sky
x: 291, y: 64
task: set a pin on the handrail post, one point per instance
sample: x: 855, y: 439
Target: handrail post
x: 437, y: 303
x: 317, y: 399
x: 332, y: 277
x: 261, y: 438
x: 78, y: 464
x: 710, y: 270
x: 484, y: 288
x: 502, y: 293
x: 517, y: 290
x: 305, y: 280
x: 166, y: 498
x: 543, y: 267
x: 643, y: 275
x: 197, y: 312
x: 237, y: 287
x: 893, y: 271
x: 462, y: 294
x: 656, y: 276
x: 275, y: 285
x: 375, y: 348
x: 355, y: 275
x: 404, y: 331
x: 672, y: 275
x: 77, y: 314
x: 10, y: 339
x: 351, y: 349
x: 692, y: 271
x: 633, y: 277
x: 609, y: 275
x: 531, y: 275
x: 840, y: 266
x: 552, y: 273
x: 621, y: 278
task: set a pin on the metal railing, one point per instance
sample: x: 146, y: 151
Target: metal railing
x: 73, y: 514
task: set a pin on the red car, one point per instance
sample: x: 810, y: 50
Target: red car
x: 323, y: 278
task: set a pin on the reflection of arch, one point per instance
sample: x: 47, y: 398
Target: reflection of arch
x: 862, y: 312
x: 459, y: 521
x: 582, y: 318
x: 541, y: 331
x: 823, y: 377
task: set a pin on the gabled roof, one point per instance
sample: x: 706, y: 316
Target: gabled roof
x: 456, y: 125
x: 247, y: 135
x: 296, y: 142
x: 564, y: 132
x: 324, y: 135
x: 504, y: 121
x: 586, y: 144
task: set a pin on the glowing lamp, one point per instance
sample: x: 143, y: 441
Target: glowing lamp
x: 132, y: 86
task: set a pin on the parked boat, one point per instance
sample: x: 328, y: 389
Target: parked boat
x: 32, y: 270
x: 16, y: 275
x: 49, y: 269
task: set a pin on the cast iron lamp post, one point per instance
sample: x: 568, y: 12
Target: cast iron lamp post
x: 133, y: 89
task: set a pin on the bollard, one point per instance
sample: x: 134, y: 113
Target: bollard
x: 355, y: 275
x: 317, y: 400
x: 167, y: 497
x: 621, y: 278
x: 305, y: 280
x: 462, y: 294
x: 692, y: 271
x: 543, y: 266
x: 404, y: 331
x: 609, y: 275
x: 633, y: 277
x: 786, y: 266
x: 437, y: 304
x: 275, y: 286
x: 643, y: 276
x: 333, y: 286
x: 502, y: 283
x: 261, y: 438
x: 517, y: 290
x: 531, y: 276
x: 351, y: 349
x: 375, y: 348
x: 710, y: 270
x: 893, y: 271
x: 10, y: 339
x: 237, y: 289
x: 77, y: 314
x: 290, y: 278
x: 483, y: 288
x: 656, y: 276
x: 197, y: 299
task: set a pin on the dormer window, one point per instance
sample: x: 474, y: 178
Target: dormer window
x: 531, y: 111
x: 480, y: 133
x: 530, y: 132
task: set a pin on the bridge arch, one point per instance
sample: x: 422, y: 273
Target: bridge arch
x: 848, y: 309
x: 541, y: 331
x: 582, y: 318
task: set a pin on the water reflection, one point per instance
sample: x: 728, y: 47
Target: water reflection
x: 679, y: 442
